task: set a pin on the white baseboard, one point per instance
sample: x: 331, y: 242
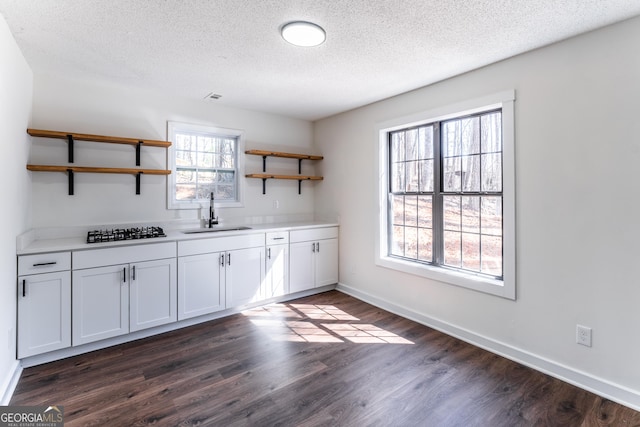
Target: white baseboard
x: 606, y: 389
x: 10, y: 383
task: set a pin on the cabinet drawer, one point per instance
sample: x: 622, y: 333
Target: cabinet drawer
x: 123, y: 255
x: 313, y: 234
x: 44, y: 263
x: 277, y: 237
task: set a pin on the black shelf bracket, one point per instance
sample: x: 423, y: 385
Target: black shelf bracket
x: 299, y: 186
x: 299, y: 166
x: 138, y: 182
x: 264, y: 185
x: 70, y: 177
x: 138, y: 145
x: 70, y: 147
x: 264, y: 164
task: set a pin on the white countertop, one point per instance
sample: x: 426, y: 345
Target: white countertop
x: 30, y: 243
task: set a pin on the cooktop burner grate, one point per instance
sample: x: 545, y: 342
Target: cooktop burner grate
x: 115, y: 234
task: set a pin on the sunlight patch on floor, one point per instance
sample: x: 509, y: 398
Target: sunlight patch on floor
x: 318, y: 324
x: 323, y: 312
x: 365, y: 333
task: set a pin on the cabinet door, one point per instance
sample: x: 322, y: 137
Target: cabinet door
x: 153, y: 294
x: 277, y: 273
x: 326, y: 262
x: 200, y: 285
x: 44, y: 313
x: 244, y: 276
x: 301, y: 271
x: 100, y: 304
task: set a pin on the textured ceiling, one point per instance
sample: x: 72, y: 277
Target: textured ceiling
x: 374, y: 49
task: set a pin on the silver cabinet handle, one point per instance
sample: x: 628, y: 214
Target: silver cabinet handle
x: 24, y: 288
x: 124, y: 274
x: 318, y: 247
x: 133, y: 272
x: 313, y: 247
x: 222, y: 260
x: 269, y: 253
x: 278, y: 238
x: 229, y: 259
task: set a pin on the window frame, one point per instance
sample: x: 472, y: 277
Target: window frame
x: 172, y: 202
x: 504, y: 287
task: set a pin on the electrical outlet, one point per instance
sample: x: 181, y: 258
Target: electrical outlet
x: 583, y: 335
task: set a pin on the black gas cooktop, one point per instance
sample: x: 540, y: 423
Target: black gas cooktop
x: 115, y: 234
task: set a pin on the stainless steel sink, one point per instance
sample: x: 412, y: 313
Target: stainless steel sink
x: 215, y: 229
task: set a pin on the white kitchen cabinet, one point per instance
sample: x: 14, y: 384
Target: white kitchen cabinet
x: 244, y: 274
x: 200, y: 288
x: 326, y: 262
x: 112, y: 300
x: 276, y: 281
x: 44, y: 303
x: 219, y: 273
x: 117, y: 289
x: 153, y: 294
x: 100, y: 303
x: 313, y: 258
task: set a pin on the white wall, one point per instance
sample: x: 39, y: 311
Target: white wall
x: 578, y: 210
x: 96, y: 108
x: 16, y: 84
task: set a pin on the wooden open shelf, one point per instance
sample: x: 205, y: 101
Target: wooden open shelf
x: 299, y: 157
x: 90, y: 169
x: 294, y: 177
x: 71, y: 170
x: 299, y: 178
x: 71, y: 137
x: 96, y: 138
x: 265, y: 153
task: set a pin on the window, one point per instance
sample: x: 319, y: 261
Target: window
x: 203, y: 160
x: 447, y: 195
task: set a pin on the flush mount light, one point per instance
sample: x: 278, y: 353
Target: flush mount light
x: 301, y: 33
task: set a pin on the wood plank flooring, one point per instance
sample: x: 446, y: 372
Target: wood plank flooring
x: 324, y: 360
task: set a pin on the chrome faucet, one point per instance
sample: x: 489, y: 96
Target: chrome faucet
x: 213, y: 219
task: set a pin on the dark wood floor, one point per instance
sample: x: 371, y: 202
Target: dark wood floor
x: 325, y: 360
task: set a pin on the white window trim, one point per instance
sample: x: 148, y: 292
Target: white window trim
x: 172, y: 203
x: 506, y: 287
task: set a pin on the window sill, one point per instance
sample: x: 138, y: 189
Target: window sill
x: 465, y: 280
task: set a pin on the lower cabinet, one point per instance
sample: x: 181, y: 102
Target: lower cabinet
x: 153, y: 294
x: 244, y: 274
x: 219, y: 273
x: 114, y: 291
x: 44, y: 313
x: 313, y: 258
x: 200, y: 289
x: 276, y: 281
x: 100, y: 303
x: 277, y: 272
x: 121, y: 298
x: 44, y: 303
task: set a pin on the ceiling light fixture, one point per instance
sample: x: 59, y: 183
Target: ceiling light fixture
x: 301, y: 33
